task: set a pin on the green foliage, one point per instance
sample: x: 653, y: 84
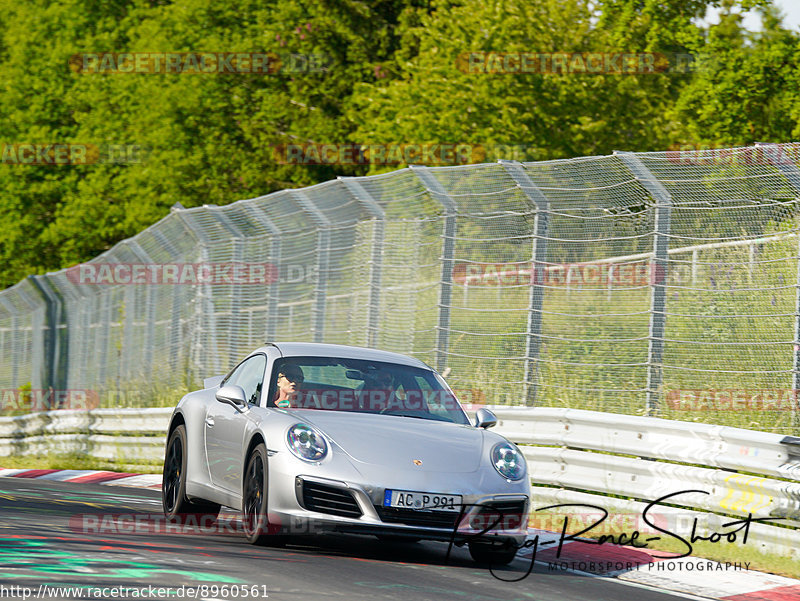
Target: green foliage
x: 209, y: 138
x: 745, y: 86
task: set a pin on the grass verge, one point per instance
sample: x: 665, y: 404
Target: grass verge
x: 75, y: 461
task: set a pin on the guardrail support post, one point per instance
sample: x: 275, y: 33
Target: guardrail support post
x: 376, y: 262
x: 658, y: 274
x: 541, y: 225
x: 775, y: 156
x: 436, y: 190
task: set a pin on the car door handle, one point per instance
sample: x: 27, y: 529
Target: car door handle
x: 210, y: 422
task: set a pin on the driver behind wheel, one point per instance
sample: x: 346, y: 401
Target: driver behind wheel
x: 290, y: 377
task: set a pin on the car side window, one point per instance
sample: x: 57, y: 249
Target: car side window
x: 250, y: 376
x: 231, y: 377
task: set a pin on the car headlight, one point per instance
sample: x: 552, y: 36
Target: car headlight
x: 508, y: 461
x: 306, y: 443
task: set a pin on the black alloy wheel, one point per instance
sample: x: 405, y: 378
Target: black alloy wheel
x: 255, y: 519
x: 177, y: 507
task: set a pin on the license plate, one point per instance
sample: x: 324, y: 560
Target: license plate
x: 409, y: 499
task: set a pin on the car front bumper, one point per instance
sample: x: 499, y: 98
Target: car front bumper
x: 320, y: 505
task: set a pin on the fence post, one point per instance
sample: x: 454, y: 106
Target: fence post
x: 204, y: 352
x: 178, y: 361
x: 204, y: 355
x: 541, y: 226
x: 13, y: 335
x: 55, y: 347
x: 658, y: 274
x: 260, y: 215
x: 78, y: 335
x: 237, y: 239
x: 146, y: 363
x: 376, y: 263
x: 105, y: 337
x: 436, y: 190
x: 323, y: 245
x: 777, y: 158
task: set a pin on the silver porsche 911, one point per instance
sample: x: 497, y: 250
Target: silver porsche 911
x: 310, y: 438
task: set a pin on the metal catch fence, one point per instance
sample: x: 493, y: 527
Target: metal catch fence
x: 661, y: 283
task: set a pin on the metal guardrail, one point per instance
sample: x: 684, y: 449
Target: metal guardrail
x: 593, y: 458
x: 128, y: 437
x: 574, y: 456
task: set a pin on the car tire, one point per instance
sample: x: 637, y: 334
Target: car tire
x: 177, y: 507
x: 255, y: 506
x: 493, y: 554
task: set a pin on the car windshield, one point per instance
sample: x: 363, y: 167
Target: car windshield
x: 334, y: 384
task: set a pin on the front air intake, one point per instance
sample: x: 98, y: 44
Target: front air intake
x: 330, y: 499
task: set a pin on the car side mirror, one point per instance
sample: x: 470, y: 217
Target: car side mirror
x: 485, y: 418
x: 232, y: 395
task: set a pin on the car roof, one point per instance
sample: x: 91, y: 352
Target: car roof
x: 319, y: 349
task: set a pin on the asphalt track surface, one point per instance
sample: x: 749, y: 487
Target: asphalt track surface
x: 45, y: 546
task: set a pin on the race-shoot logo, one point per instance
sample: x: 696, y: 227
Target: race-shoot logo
x: 611, y: 524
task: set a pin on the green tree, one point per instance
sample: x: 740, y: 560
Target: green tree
x: 745, y: 88
x: 210, y: 138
